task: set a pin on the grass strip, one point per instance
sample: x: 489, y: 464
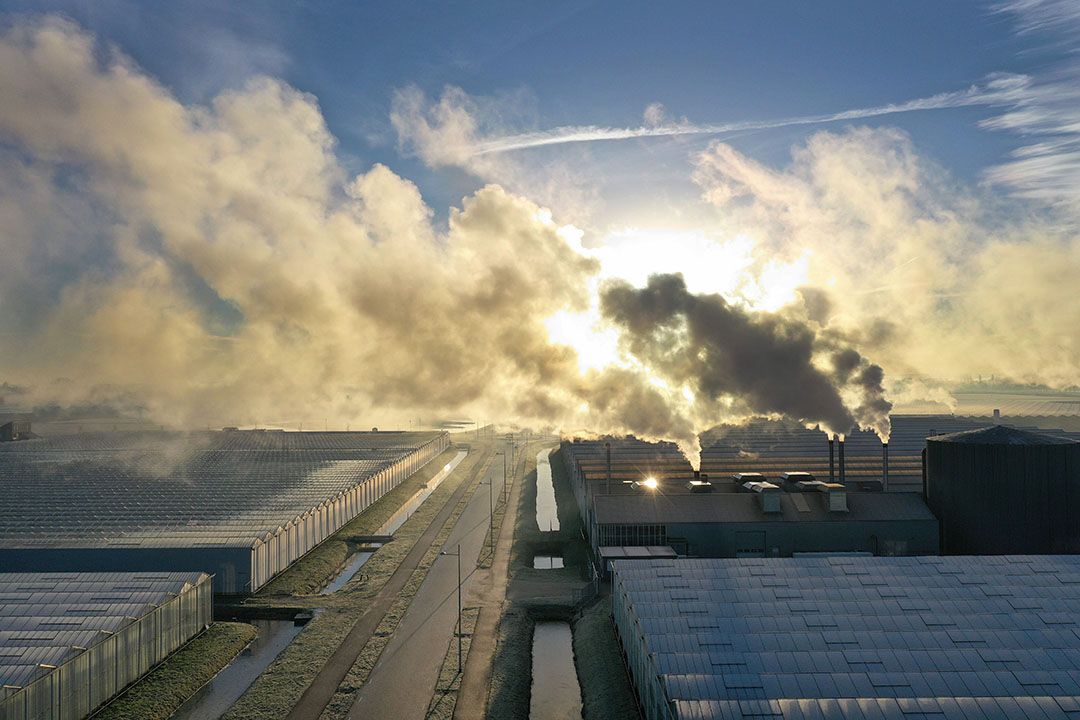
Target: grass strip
x: 606, y: 692
x: 447, y: 686
x: 511, y: 672
x: 168, y: 686
x: 279, y: 688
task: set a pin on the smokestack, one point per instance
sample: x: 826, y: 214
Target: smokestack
x: 843, y: 468
x: 885, y: 466
x: 607, y: 447
x: 697, y: 474
x: 997, y: 415
x: 832, y: 463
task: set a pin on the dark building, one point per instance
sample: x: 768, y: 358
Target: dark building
x: 14, y: 428
x: 1000, y: 490
x: 768, y: 524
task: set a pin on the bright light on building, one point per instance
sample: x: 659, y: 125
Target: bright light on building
x: 650, y: 482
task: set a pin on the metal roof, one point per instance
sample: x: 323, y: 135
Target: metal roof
x: 48, y: 618
x: 152, y: 489
x: 855, y: 637
x: 655, y: 509
x: 1002, y: 435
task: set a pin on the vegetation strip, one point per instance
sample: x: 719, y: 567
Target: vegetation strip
x: 168, y: 686
x: 278, y: 690
x: 447, y: 686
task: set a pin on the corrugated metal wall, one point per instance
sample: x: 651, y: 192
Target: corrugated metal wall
x: 271, y: 555
x: 1001, y: 499
x: 85, y: 682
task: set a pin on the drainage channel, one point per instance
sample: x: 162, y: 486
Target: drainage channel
x: 547, y: 510
x: 398, y: 519
x: 555, y: 691
x: 216, y: 697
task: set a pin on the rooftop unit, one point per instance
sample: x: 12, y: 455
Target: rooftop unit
x: 835, y: 492
x: 768, y: 494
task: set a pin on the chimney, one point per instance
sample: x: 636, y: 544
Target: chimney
x: 843, y: 466
x: 832, y: 464
x: 697, y: 474
x: 607, y: 488
x: 885, y: 466
x: 997, y: 415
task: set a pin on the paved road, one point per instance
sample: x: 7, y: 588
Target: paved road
x: 404, y: 679
x: 322, y: 689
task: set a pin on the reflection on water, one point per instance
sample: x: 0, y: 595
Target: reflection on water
x: 218, y: 695
x: 555, y: 691
x: 547, y: 562
x: 547, y: 511
x: 351, y: 567
x: 398, y: 519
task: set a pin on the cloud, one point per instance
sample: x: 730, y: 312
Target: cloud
x: 935, y: 281
x: 997, y: 90
x: 215, y: 264
x: 444, y: 132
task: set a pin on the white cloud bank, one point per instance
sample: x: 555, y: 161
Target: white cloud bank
x: 215, y: 264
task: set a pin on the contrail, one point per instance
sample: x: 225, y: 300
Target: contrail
x: 1000, y: 89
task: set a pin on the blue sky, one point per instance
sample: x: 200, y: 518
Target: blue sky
x: 551, y: 64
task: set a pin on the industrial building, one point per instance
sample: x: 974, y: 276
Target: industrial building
x: 241, y: 505
x: 750, y: 524
x: 771, y: 447
x: 852, y: 637
x: 641, y: 499
x: 1002, y: 490
x: 70, y: 642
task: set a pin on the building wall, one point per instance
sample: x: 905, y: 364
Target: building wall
x: 92, y: 678
x: 783, y: 539
x: 229, y: 565
x: 1005, y: 499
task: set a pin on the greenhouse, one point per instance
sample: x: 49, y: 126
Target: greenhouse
x: 70, y: 642
x: 241, y: 505
x: 852, y: 637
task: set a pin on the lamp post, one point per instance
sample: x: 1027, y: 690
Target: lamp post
x: 504, y: 490
x: 491, y: 509
x: 459, y: 628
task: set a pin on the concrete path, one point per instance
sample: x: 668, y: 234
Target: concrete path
x: 403, y: 681
x: 322, y: 689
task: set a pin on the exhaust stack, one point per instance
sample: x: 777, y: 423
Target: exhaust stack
x: 843, y: 466
x: 607, y: 489
x: 832, y: 463
x: 885, y: 466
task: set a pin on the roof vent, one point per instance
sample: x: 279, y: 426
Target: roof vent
x: 768, y: 494
x: 700, y: 485
x: 791, y: 478
x: 743, y: 478
x: 836, y: 496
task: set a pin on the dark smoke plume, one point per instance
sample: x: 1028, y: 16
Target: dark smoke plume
x: 767, y: 361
